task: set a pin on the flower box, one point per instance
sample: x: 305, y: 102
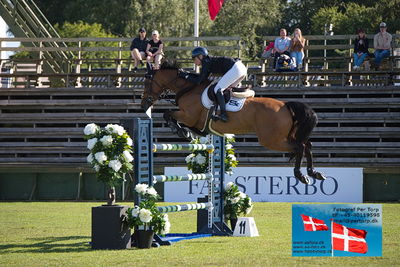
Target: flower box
x: 108, y: 229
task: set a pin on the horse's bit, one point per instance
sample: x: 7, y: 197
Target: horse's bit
x: 164, y: 90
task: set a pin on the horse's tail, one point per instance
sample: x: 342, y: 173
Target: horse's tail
x: 304, y: 121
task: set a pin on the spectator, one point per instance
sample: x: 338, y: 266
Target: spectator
x: 360, y: 49
x: 282, y: 45
x: 297, y: 48
x: 268, y: 51
x: 138, y: 48
x: 154, y: 50
x: 382, y: 45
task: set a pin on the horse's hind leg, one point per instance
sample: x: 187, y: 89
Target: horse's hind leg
x: 310, y: 168
x: 299, y: 151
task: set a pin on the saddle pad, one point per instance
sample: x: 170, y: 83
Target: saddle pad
x: 234, y: 104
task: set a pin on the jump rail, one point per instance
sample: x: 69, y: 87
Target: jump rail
x: 144, y: 149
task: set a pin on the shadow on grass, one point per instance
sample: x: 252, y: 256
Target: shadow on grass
x: 49, y: 245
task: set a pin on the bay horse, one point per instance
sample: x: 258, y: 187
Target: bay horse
x: 279, y: 126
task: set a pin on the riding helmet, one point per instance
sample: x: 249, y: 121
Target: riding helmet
x: 199, y: 51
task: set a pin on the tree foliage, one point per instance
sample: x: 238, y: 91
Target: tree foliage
x: 349, y: 18
x: 250, y: 19
x: 82, y: 29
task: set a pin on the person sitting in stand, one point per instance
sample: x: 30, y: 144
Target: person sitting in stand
x: 232, y: 69
x: 360, y: 49
x: 281, y: 45
x: 138, y: 48
x: 154, y: 50
x: 382, y: 45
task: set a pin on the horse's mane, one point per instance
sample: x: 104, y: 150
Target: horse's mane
x: 170, y: 64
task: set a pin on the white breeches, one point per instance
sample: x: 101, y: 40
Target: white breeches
x: 233, y: 77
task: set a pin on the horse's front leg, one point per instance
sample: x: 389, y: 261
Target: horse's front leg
x: 172, y: 121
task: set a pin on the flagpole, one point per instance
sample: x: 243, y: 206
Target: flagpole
x: 332, y: 237
x: 196, y: 26
x: 196, y: 21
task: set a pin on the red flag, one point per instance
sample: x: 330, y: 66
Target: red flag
x: 312, y: 224
x: 213, y: 7
x: 348, y: 239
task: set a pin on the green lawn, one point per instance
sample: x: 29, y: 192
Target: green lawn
x: 58, y: 234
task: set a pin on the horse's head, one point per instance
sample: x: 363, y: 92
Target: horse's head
x: 156, y: 86
x: 152, y: 92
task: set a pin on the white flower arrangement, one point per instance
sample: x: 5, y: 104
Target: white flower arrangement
x: 235, y: 202
x: 197, y: 161
x: 110, y: 152
x: 146, y: 213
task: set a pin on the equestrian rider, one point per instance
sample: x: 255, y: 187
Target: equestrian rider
x: 232, y: 69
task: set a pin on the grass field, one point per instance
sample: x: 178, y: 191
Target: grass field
x: 58, y: 234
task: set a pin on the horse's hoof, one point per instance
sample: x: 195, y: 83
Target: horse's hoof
x: 319, y: 176
x: 315, y: 174
x: 302, y: 178
x: 175, y: 129
x: 184, y: 134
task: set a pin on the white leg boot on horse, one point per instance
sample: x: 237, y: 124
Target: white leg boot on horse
x: 221, y: 103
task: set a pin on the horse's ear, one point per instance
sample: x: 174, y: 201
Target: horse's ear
x: 168, y: 63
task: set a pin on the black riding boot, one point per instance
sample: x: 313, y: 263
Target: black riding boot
x: 221, y: 102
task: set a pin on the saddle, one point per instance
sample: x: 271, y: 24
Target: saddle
x: 239, y: 92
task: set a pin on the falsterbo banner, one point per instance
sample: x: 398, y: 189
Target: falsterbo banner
x: 275, y: 184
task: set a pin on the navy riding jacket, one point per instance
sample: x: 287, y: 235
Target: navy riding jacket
x: 217, y: 65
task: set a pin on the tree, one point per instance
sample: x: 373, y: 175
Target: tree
x: 249, y: 20
x: 82, y: 29
x: 353, y: 17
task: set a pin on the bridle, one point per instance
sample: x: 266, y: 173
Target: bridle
x: 164, y: 89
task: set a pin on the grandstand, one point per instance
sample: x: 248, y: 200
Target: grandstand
x: 42, y: 115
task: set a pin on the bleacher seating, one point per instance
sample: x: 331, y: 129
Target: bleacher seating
x: 43, y: 115
x: 42, y: 127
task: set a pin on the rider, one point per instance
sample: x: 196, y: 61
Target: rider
x: 232, y: 69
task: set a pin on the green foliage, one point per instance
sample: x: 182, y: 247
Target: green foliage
x: 82, y: 29
x: 346, y: 21
x: 22, y: 55
x: 236, y: 202
x: 198, y: 161
x: 110, y: 152
x: 249, y: 20
x: 147, y: 214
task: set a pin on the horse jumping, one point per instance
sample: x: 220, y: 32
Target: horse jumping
x: 279, y: 126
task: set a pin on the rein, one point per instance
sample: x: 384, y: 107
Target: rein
x: 165, y: 91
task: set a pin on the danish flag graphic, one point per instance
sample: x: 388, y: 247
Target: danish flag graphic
x: 313, y: 224
x: 348, y: 239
